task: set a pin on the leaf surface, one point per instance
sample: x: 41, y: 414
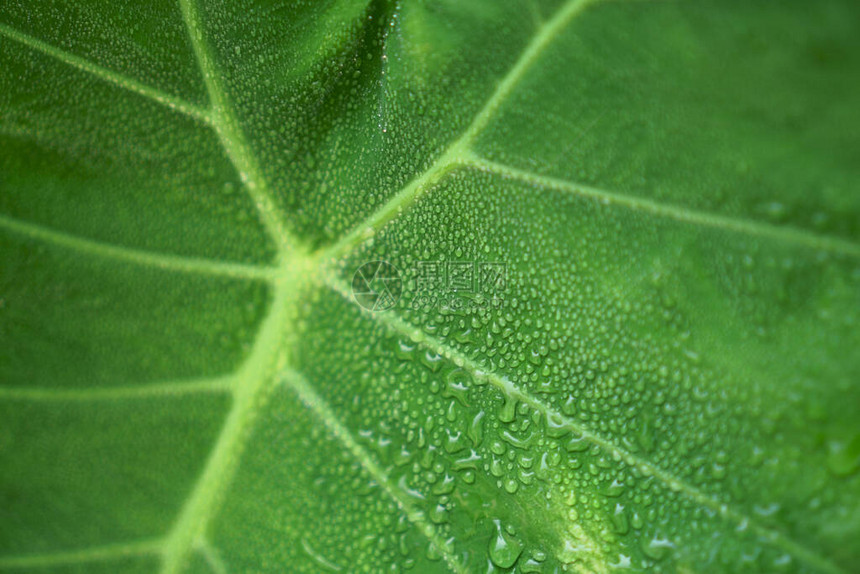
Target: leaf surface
x: 616, y: 329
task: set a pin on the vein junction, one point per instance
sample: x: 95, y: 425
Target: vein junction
x: 297, y: 271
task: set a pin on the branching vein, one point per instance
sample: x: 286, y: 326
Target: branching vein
x: 135, y: 256
x: 108, y: 75
x: 142, y: 391
x: 751, y: 227
x: 460, y: 154
x: 251, y: 387
x: 460, y: 150
x: 513, y: 392
x: 320, y: 408
x: 268, y: 360
x: 230, y: 132
x: 78, y: 557
x: 544, y: 37
x: 212, y: 557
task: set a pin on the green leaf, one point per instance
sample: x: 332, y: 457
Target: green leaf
x: 487, y: 286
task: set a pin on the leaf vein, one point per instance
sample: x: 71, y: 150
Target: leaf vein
x: 511, y: 391
x: 313, y: 401
x: 459, y: 151
x: 251, y: 389
x: 135, y: 256
x: 740, y: 225
x: 110, y: 76
x: 212, y: 557
x: 230, y: 132
x: 144, y: 391
x: 81, y: 556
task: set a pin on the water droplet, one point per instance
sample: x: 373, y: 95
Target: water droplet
x: 509, y: 410
x: 844, y: 457
x: 504, y: 548
x: 476, y: 429
x: 619, y: 520
x: 657, y: 548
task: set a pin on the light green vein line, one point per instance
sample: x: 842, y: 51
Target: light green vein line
x: 107, y: 75
x: 143, y: 391
x: 319, y: 558
x: 137, y: 257
x: 83, y: 556
x: 459, y: 151
x: 252, y: 385
x: 230, y: 132
x: 320, y: 408
x: 211, y: 556
x: 511, y: 391
x: 787, y: 234
x: 544, y: 37
x: 400, y: 202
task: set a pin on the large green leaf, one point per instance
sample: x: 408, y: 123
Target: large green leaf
x: 625, y: 237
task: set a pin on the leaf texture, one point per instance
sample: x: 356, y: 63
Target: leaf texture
x: 640, y: 219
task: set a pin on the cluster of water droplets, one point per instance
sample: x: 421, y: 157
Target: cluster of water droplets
x: 582, y: 418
